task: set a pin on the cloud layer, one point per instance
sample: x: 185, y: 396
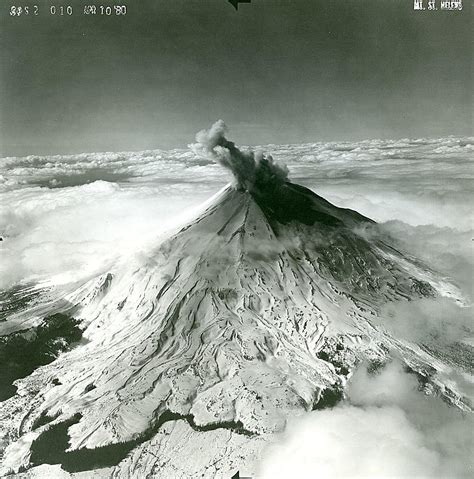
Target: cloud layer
x: 386, y: 428
x: 66, y: 234
x: 66, y: 213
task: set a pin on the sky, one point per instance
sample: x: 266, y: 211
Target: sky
x: 277, y: 71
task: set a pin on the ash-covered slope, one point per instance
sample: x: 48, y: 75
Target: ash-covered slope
x: 195, y: 354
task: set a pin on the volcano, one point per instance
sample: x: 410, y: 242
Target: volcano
x: 196, y: 353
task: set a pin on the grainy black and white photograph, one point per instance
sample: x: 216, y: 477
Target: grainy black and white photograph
x: 236, y: 239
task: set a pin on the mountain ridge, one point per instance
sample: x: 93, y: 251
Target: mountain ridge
x: 257, y: 310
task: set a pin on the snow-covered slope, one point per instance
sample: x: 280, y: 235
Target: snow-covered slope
x: 195, y: 353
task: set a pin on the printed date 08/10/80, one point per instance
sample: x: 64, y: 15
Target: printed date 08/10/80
x: 67, y: 10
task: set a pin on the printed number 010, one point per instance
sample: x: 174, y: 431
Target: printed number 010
x: 60, y: 10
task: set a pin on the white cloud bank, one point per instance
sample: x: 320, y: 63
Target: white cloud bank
x: 386, y: 429
x: 66, y: 234
x: 69, y: 214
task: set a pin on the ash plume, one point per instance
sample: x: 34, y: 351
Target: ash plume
x: 252, y: 170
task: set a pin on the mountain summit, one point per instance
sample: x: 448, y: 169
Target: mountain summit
x: 195, y: 355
